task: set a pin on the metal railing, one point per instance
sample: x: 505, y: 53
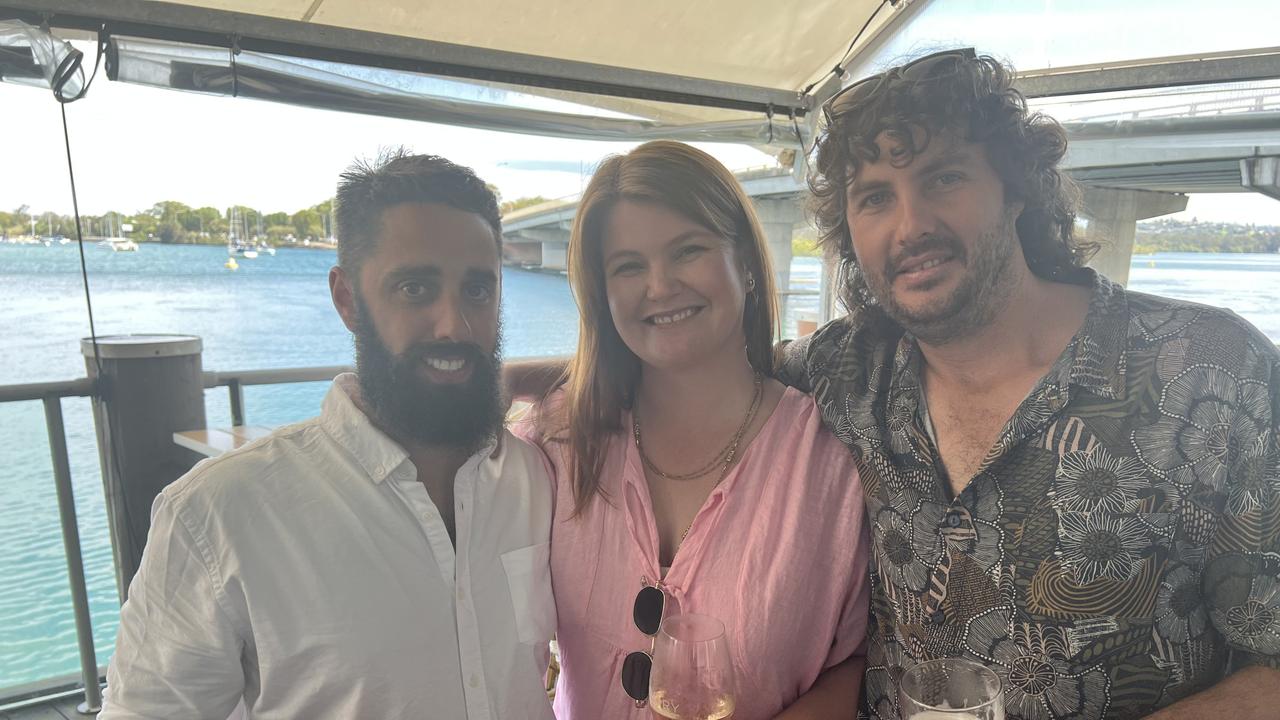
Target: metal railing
x: 236, y: 381
x: 51, y: 395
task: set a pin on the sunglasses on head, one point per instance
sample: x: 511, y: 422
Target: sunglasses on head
x: 646, y: 612
x: 853, y: 95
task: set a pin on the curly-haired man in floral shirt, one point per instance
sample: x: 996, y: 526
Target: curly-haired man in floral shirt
x: 1076, y: 485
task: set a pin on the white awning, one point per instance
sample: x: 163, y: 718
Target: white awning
x: 748, y: 71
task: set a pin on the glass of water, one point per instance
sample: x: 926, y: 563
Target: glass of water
x: 950, y: 689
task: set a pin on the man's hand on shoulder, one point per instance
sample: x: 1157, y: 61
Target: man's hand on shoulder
x: 531, y: 380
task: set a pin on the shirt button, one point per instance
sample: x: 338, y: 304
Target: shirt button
x: 474, y: 680
x: 462, y: 594
x: 937, y: 617
x: 953, y: 519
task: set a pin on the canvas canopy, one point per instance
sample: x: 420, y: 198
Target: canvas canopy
x: 745, y: 71
x: 749, y: 71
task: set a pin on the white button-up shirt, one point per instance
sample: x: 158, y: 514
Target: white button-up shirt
x: 310, y: 574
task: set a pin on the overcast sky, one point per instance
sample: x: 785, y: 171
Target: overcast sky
x: 134, y: 146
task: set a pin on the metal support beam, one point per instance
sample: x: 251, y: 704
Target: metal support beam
x: 1152, y: 73
x: 220, y: 28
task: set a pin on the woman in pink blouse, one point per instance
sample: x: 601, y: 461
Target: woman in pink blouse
x: 681, y: 464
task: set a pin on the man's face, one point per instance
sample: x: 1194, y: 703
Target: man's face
x: 934, y: 238
x: 425, y: 315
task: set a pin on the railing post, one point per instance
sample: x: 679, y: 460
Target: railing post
x: 151, y: 387
x: 71, y: 547
x: 237, y: 401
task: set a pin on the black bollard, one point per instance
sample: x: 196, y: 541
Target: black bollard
x: 150, y: 387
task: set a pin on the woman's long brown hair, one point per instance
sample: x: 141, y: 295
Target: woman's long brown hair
x: 602, y: 377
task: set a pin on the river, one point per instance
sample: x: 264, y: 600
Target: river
x: 275, y: 312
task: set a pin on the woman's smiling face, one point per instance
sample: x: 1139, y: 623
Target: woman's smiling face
x: 676, y: 289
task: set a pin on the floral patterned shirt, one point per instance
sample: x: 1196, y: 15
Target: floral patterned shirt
x: 1118, y: 550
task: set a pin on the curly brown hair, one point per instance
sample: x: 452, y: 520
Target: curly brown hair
x: 962, y: 96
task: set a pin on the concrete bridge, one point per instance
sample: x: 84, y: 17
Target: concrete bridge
x: 538, y: 236
x: 1130, y: 170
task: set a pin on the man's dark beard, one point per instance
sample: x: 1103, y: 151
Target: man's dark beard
x: 463, y: 416
x: 981, y: 296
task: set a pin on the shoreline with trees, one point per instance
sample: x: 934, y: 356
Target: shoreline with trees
x: 1166, y: 235
x: 1153, y: 236
x: 174, y: 222
x: 177, y: 223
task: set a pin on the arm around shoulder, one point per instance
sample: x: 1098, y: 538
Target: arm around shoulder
x: 1250, y: 694
x: 790, y: 363
x: 799, y: 363
x: 833, y: 696
x: 533, y: 379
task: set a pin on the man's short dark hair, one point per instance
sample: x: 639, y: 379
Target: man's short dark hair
x: 969, y: 98
x: 396, y: 177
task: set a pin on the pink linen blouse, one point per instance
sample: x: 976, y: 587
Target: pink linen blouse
x: 778, y: 552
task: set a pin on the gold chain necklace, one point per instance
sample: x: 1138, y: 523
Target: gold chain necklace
x: 722, y: 459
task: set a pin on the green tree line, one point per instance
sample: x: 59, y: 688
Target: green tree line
x: 1181, y: 236
x: 1152, y: 237
x: 171, y: 221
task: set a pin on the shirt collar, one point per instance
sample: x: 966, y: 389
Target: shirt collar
x: 347, y: 424
x: 1094, y: 360
x: 1097, y: 352
x: 379, y: 455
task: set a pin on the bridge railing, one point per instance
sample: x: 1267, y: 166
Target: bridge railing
x: 1190, y: 104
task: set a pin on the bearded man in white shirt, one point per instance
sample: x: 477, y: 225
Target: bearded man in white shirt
x: 387, y: 559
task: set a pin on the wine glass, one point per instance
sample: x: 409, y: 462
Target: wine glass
x: 692, y: 677
x: 950, y: 689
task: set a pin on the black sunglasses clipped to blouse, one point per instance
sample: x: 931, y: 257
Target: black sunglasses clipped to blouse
x: 646, y: 612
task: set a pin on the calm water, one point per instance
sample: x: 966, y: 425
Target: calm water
x: 275, y: 312
x: 272, y: 312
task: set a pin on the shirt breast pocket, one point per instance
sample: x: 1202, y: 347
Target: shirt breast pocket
x: 528, y: 572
